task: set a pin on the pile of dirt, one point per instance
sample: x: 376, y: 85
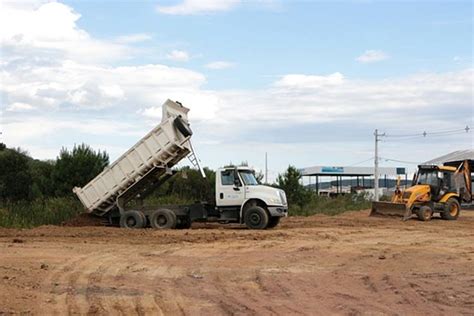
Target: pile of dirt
x: 84, y: 219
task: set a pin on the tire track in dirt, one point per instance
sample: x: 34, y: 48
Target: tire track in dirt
x: 348, y: 264
x: 61, y: 284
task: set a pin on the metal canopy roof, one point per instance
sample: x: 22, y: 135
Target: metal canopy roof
x: 349, y: 171
x: 459, y: 155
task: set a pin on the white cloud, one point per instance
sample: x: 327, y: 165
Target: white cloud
x: 299, y: 81
x: 178, y: 55
x: 45, y: 71
x: 372, y: 56
x: 218, y: 65
x: 50, y: 29
x: 94, y: 86
x: 133, y: 38
x: 20, y: 107
x: 189, y: 7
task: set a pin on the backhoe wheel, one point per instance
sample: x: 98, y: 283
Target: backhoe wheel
x: 256, y: 218
x: 273, y: 222
x: 424, y: 213
x: 132, y: 219
x: 163, y: 219
x: 451, y: 210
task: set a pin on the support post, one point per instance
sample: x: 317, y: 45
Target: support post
x: 317, y: 185
x: 376, y: 164
x: 266, y: 168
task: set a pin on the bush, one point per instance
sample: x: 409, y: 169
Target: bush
x: 26, y: 214
x: 15, y: 176
x: 76, y: 168
x: 296, y: 193
x: 331, y: 205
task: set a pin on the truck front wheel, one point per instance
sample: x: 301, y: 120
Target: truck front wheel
x: 163, y: 219
x: 132, y: 219
x: 256, y: 218
x: 273, y: 222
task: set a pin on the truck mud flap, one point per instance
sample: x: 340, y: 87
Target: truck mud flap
x: 390, y: 209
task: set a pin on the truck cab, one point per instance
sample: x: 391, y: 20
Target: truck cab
x: 240, y: 198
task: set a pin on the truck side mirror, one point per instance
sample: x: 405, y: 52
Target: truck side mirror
x: 236, y: 182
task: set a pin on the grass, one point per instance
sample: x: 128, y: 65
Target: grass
x: 51, y: 211
x: 331, y: 206
x: 54, y: 211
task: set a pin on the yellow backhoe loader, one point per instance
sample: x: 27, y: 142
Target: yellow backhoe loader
x: 435, y: 189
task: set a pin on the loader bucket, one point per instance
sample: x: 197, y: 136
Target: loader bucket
x: 390, y: 209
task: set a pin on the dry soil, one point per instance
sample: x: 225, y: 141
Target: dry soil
x: 348, y: 264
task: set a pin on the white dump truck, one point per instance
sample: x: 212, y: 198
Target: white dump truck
x: 147, y: 165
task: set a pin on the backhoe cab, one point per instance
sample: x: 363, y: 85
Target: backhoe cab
x: 435, y: 189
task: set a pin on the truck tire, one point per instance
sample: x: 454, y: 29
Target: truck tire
x: 424, y: 213
x: 145, y: 220
x: 163, y: 219
x: 132, y: 219
x: 256, y: 218
x: 273, y: 221
x: 182, y: 126
x: 184, y: 222
x: 452, y: 210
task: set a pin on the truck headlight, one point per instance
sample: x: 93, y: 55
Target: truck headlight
x: 282, y: 197
x: 275, y: 201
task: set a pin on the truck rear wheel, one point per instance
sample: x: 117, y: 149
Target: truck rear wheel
x: 451, y: 210
x: 256, y: 218
x: 424, y: 213
x: 273, y: 222
x: 132, y: 219
x: 184, y: 222
x: 163, y: 219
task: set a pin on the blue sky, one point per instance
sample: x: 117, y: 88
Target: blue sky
x: 305, y: 81
x: 270, y: 40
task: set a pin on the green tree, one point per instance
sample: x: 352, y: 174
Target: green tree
x: 77, y: 168
x: 42, y: 182
x: 15, y: 176
x: 295, y: 192
x: 189, y: 185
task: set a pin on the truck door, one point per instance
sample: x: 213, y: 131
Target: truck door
x: 227, y: 192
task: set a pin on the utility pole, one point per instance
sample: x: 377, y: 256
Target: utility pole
x: 376, y: 164
x: 266, y: 168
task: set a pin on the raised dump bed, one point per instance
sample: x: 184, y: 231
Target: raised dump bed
x: 159, y: 150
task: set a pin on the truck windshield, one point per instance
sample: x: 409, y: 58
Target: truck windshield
x: 248, y: 177
x: 428, y: 177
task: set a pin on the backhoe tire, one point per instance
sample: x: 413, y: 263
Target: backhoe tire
x: 273, y: 221
x: 256, y: 218
x: 182, y: 126
x: 132, y: 219
x: 163, y: 219
x: 452, y: 210
x: 424, y: 213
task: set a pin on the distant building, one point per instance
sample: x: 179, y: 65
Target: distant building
x: 350, y: 179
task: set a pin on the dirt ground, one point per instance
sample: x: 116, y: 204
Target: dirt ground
x: 348, y: 264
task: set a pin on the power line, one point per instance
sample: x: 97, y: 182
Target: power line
x: 401, y: 161
x: 433, y: 133
x: 424, y: 133
x: 428, y: 135
x: 358, y: 163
